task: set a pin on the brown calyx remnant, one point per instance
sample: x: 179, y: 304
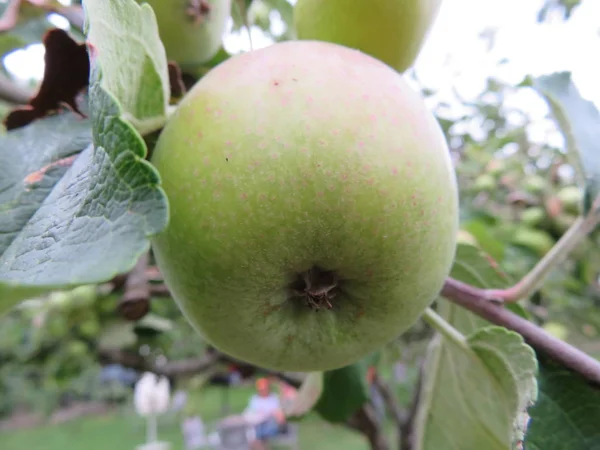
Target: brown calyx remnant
x: 317, y: 287
x: 197, y: 10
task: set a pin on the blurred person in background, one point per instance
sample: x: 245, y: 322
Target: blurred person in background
x: 265, y: 412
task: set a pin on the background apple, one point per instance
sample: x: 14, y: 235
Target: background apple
x: 391, y: 30
x: 305, y: 166
x: 191, y: 31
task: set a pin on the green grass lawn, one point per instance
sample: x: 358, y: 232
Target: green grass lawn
x: 123, y: 430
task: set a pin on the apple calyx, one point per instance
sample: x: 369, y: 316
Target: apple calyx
x: 317, y: 287
x: 197, y: 10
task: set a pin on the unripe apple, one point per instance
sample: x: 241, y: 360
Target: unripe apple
x: 89, y: 328
x: 313, y: 206
x: 535, y: 184
x: 485, y: 183
x: 537, y: 241
x: 392, y: 31
x: 57, y: 326
x: 571, y: 198
x: 76, y: 349
x: 496, y: 167
x: 533, y: 216
x: 191, y: 30
x: 562, y: 222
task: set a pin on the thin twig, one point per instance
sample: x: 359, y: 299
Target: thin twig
x: 222, y: 357
x: 135, y: 303
x: 159, y: 290
x: 365, y: 421
x: 475, y: 300
x: 391, y: 403
x: 407, y: 438
x: 179, y: 368
x: 400, y: 416
x: 536, y: 277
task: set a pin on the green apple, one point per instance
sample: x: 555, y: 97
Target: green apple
x: 60, y: 301
x: 84, y: 296
x: 392, y: 31
x: 191, y: 30
x: 564, y: 221
x: 571, y: 198
x: 76, y: 348
x: 313, y: 206
x: 89, y: 328
x: 535, y: 184
x: 537, y: 241
x: 56, y: 326
x: 533, y: 216
x: 496, y: 167
x: 485, y: 183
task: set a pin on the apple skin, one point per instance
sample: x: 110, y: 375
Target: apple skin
x: 187, y: 42
x: 304, y: 154
x: 392, y: 31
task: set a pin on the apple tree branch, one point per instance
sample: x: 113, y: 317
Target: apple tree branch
x: 477, y: 301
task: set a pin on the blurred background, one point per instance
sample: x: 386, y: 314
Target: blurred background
x: 68, y: 366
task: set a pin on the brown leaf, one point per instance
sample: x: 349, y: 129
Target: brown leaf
x: 66, y: 73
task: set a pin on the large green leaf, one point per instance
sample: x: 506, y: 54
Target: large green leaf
x: 79, y: 220
x: 345, y: 390
x: 567, y: 414
x: 473, y: 395
x: 579, y: 121
x: 125, y: 41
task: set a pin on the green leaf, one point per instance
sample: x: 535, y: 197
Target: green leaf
x: 567, y: 414
x: 579, y: 121
x: 473, y: 266
x: 485, y: 238
x: 471, y: 397
x: 504, y: 351
x: 126, y: 43
x: 491, y: 381
x: 286, y: 11
x: 78, y: 223
x: 345, y: 390
x: 33, y: 160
